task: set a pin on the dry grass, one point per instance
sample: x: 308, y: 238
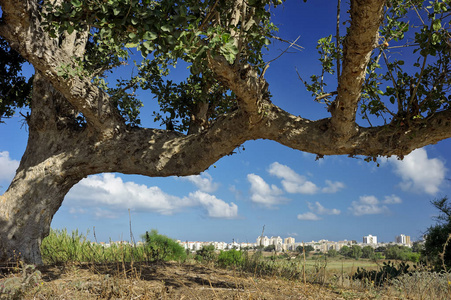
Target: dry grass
x: 171, y: 281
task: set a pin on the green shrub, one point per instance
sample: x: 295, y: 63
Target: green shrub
x: 206, y: 254
x: 230, y: 258
x: 162, y: 248
x: 387, y: 272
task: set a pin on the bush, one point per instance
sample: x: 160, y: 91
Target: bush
x: 162, y: 248
x: 383, y: 275
x: 230, y: 258
x: 206, y: 254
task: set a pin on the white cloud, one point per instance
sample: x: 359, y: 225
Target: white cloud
x: 264, y: 194
x: 332, y: 187
x: 392, y: 199
x: 419, y: 173
x: 215, y: 207
x: 112, y: 192
x: 203, y: 182
x: 308, y: 216
x: 8, y: 166
x: 291, y: 181
x: 321, y: 210
x: 367, y: 205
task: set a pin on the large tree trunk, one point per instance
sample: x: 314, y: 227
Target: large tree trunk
x: 28, y: 206
x: 42, y: 179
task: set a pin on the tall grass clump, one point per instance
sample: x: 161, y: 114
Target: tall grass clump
x: 60, y: 246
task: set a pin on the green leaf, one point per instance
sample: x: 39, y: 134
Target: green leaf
x: 149, y: 35
x: 131, y: 45
x: 166, y: 28
x: 70, y: 29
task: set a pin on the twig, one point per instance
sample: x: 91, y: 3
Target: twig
x: 326, y: 95
x: 283, y: 52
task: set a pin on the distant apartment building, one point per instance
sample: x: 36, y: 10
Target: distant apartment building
x: 370, y: 239
x: 403, y: 239
x: 263, y: 241
x: 277, y: 242
x: 289, y: 240
x: 289, y: 244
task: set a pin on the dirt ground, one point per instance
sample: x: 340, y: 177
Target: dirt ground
x: 172, y: 281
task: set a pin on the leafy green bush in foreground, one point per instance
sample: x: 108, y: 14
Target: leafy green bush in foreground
x: 159, y: 247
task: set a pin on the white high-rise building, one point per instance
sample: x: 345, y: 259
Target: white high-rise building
x: 277, y: 241
x: 370, y: 239
x: 263, y: 241
x: 403, y: 239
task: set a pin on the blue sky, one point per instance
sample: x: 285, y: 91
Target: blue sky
x: 286, y: 190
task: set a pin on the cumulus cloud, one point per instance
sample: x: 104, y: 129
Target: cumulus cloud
x: 332, y: 187
x: 367, y: 205
x: 215, y: 207
x: 308, y: 216
x: 291, y: 181
x: 112, y: 192
x: 263, y: 193
x: 321, y: 210
x: 203, y: 182
x: 420, y: 173
x: 8, y: 166
x: 392, y: 199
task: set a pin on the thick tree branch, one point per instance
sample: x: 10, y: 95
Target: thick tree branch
x: 250, y: 89
x: 362, y: 37
x: 315, y: 136
x: 23, y: 31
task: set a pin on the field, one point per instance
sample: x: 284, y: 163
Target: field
x: 77, y: 269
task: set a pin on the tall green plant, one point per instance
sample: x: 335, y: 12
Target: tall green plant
x: 162, y: 248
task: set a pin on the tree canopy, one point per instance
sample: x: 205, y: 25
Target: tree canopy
x: 81, y: 125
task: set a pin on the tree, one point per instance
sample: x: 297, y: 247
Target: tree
x: 437, y: 236
x: 367, y: 252
x: 345, y: 251
x: 79, y: 125
x: 270, y: 248
x: 356, y: 252
x: 308, y: 249
x: 332, y: 253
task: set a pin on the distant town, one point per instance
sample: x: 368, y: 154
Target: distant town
x: 287, y: 244
x: 290, y: 244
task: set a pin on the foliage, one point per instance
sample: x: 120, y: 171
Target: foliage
x: 62, y: 247
x: 206, y: 254
x: 380, y: 277
x: 437, y: 236
x: 389, y: 90
x: 15, y: 89
x: 16, y: 287
x: 345, y: 251
x: 421, y: 285
x: 332, y: 253
x: 270, y: 248
x: 188, y: 30
x: 308, y: 249
x: 368, y: 252
x: 230, y: 258
x: 401, y: 253
x: 356, y: 252
x: 162, y: 248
